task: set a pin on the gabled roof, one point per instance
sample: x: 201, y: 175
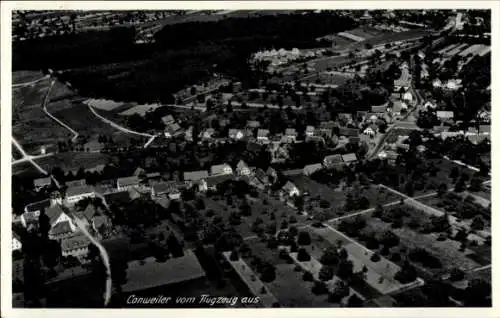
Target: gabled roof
x: 379, y: 109
x: 333, y: 159
x: 215, y: 180
x: 173, y: 128
x: 128, y: 181
x: 74, y: 191
x: 261, y: 175
x: 350, y: 157
x: 290, y: 132
x: 310, y: 169
x: 139, y: 171
x: 241, y: 165
x: 99, y: 221
x: 37, y: 206
x: 75, y: 183
x: 484, y: 128
x: 61, y: 228
x: 74, y: 242
x: 153, y: 175
x: 218, y: 169
x: 54, y: 212
x: 310, y: 128
x: 195, y: 175
x: 445, y: 114
x: 253, y: 123
x: 42, y: 182
x: 289, y: 186
x: 167, y: 119
x: 163, y: 187
x: 89, y: 211
x: 262, y: 132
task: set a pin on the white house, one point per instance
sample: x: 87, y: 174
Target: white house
x: 126, y: 183
x: 16, y: 242
x: 429, y: 105
x: 236, y: 134
x: 75, y: 194
x: 445, y: 115
x: 77, y: 246
x: 290, y: 189
x: 41, y: 183
x: 309, y: 131
x: 221, y: 169
x: 369, y: 131
x: 407, y: 97
x: 242, y: 168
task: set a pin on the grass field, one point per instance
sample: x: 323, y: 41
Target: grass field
x: 26, y: 170
x: 139, y: 109
x: 72, y: 161
x: 325, y: 78
x: 19, y: 77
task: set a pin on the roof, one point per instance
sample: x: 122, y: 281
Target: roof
x: 41, y: 182
x: 333, y: 159
x: 173, y: 128
x: 75, y: 183
x: 139, y: 171
x: 262, y: 132
x: 241, y: 165
x: 253, y: 123
x: 484, y: 128
x: 195, y: 175
x: 151, y: 273
x: 54, y: 212
x: 61, y: 228
x: 215, y: 180
x: 128, y: 181
x: 344, y: 131
x: 163, y: 187
x: 74, y: 242
x: 121, y: 197
x: 290, y: 132
x: 309, y: 169
x: 261, y: 175
x: 234, y: 131
x: 89, y: 211
x: 37, y: 206
x: 218, y: 169
x: 167, y: 119
x: 310, y: 128
x: 79, y: 190
x: 153, y: 175
x: 445, y: 114
x: 328, y: 124
x: 350, y: 157
x: 99, y: 221
x: 475, y: 139
x: 289, y: 186
x: 379, y: 109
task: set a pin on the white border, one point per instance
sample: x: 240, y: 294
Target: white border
x: 6, y: 97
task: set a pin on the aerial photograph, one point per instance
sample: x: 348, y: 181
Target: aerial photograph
x: 251, y: 158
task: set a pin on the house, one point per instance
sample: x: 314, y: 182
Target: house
x: 407, y: 96
x: 127, y: 183
x: 349, y: 158
x: 476, y: 139
x: 348, y: 132
x: 253, y: 124
x: 149, y: 273
x: 445, y: 115
x: 328, y: 125
x: 263, y: 135
x: 195, y: 175
x: 324, y: 132
x: 188, y: 134
x: 404, y: 80
x: 213, y: 181
x: 391, y: 157
x: 236, y: 134
x: 484, y: 129
x: 333, y: 161
x: 309, y: 131
x: 310, y: 169
x: 167, y: 120
x: 399, y: 107
x: 76, y: 183
x: 172, y: 130
x: 100, y: 223
x: 162, y: 188
x: 242, y: 168
x: 291, y: 133
x: 16, y: 241
x: 208, y: 134
x: 290, y: 189
x: 75, y: 194
x: 41, y: 183
x: 254, y: 181
x: 221, y: 169
x: 56, y: 215
x: 369, y: 131
x: 77, y: 246
x: 32, y: 211
x: 262, y: 176
x: 62, y: 230
x: 379, y: 109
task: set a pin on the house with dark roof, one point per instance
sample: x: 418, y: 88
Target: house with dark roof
x: 310, y: 169
x: 77, y: 246
x: 126, y: 183
x: 61, y: 230
x: 195, y: 175
x: 168, y: 119
x: 75, y: 194
x: 172, y: 130
x: 242, y: 168
x: 262, y: 176
x: 214, y: 181
x: 348, y: 132
x: 221, y: 169
x: 169, y: 189
x: 349, y: 158
x: 56, y: 215
x: 236, y: 134
x: 254, y: 181
x: 41, y: 183
x: 379, y: 108
x: 333, y: 161
x: 76, y: 183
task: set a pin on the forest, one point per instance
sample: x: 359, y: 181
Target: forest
x: 108, y: 63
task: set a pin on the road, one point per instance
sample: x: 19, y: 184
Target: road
x: 28, y: 157
x: 18, y: 85
x: 24, y: 159
x: 464, y: 164
x: 44, y: 108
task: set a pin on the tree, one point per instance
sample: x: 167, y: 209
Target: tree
x: 325, y: 273
x: 307, y: 276
x: 330, y: 256
x: 442, y: 189
x: 268, y: 273
x: 375, y: 258
x: 319, y: 288
x: 454, y: 173
x: 477, y: 223
x: 234, y: 256
x: 407, y: 274
x: 456, y: 275
x: 304, y: 238
x: 340, y: 291
x: 379, y: 210
x: 345, y: 269
x: 303, y: 256
x: 174, y: 246
x: 478, y: 294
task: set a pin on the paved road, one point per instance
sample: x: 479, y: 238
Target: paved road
x: 44, y: 108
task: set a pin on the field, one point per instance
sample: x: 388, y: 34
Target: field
x: 336, y: 198
x: 31, y: 127
x: 395, y: 37
x: 139, y: 109
x: 446, y: 251
x: 19, y: 77
x: 25, y: 170
x: 326, y: 78
x: 72, y: 161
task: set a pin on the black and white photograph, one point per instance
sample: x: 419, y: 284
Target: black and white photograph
x: 237, y: 158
